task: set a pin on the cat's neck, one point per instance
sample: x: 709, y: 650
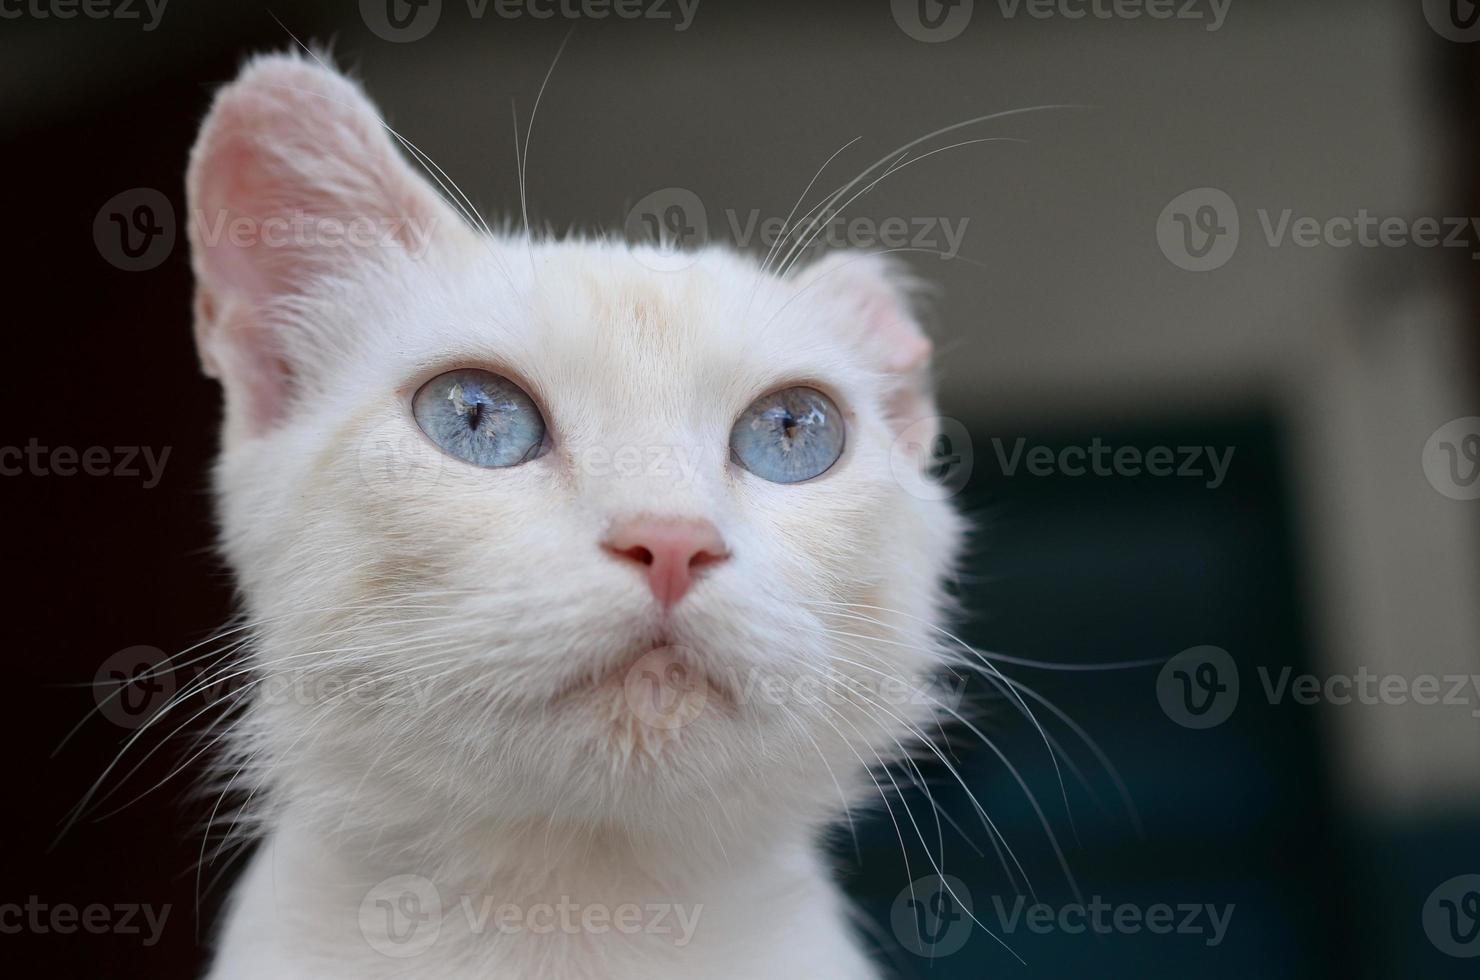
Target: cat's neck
x: 544, y: 854
x: 597, y: 902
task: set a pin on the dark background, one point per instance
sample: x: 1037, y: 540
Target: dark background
x: 1326, y: 827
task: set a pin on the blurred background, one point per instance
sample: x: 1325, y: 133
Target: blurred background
x: 1208, y: 336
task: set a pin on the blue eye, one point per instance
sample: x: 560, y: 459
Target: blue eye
x: 479, y: 417
x: 789, y: 436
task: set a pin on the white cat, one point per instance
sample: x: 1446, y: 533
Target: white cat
x: 585, y: 587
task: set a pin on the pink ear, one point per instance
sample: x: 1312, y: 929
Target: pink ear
x: 292, y: 181
x: 874, y: 293
x: 878, y: 291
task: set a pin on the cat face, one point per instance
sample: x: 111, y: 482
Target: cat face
x: 535, y: 528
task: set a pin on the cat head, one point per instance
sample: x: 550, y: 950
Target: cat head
x: 549, y: 528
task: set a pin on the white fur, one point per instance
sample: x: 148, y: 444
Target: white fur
x: 421, y: 617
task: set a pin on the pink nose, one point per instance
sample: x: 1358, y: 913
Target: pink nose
x: 669, y: 551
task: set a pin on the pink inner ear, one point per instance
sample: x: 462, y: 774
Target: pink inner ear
x: 289, y: 144
x: 889, y: 326
x: 236, y: 278
x: 905, y: 349
x: 225, y: 194
x: 244, y: 357
x: 877, y: 290
x: 912, y: 353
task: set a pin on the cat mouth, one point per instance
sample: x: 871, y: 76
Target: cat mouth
x: 660, y: 684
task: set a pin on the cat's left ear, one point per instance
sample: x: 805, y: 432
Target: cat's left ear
x: 877, y: 296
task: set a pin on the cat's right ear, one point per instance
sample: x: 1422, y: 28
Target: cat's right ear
x: 294, y: 181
